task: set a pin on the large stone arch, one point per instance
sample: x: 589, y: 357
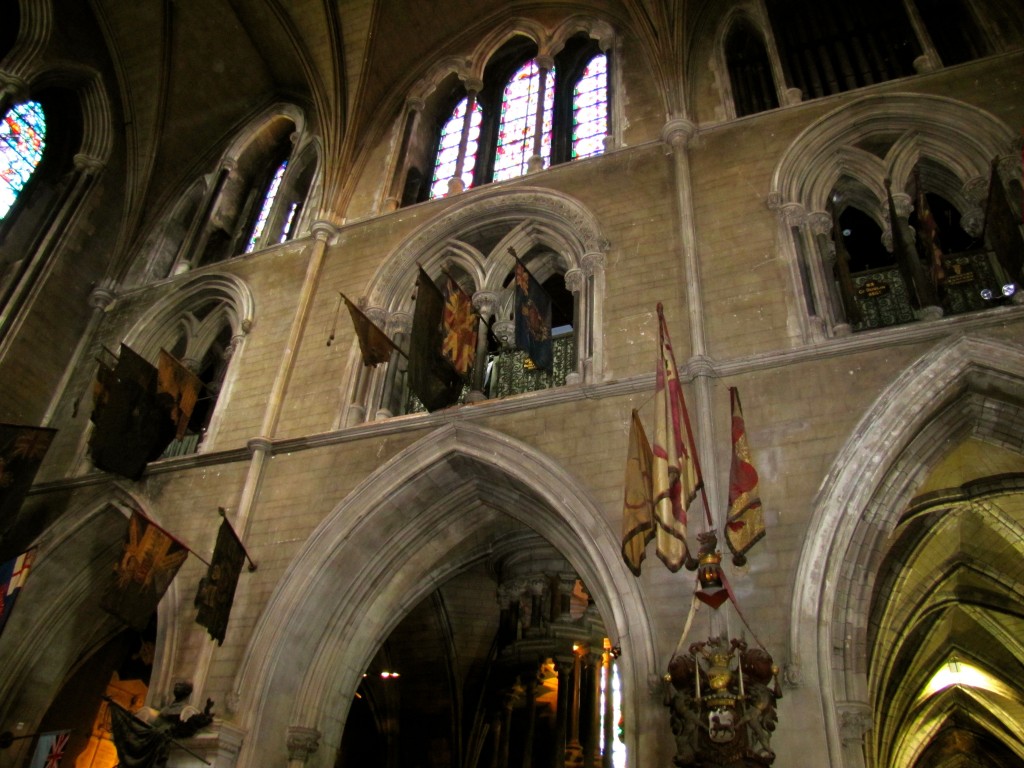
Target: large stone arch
x: 967, y: 386
x: 310, y: 649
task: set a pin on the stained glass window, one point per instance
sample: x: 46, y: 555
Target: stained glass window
x: 448, y: 149
x: 590, y: 109
x: 289, y: 222
x: 518, y: 121
x: 268, y: 204
x: 22, y: 139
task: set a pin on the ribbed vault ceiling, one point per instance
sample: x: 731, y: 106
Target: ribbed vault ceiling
x: 946, y: 656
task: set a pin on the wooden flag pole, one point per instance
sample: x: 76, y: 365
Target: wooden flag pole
x: 252, y: 563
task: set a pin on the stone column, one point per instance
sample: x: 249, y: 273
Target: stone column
x: 677, y: 134
x: 573, y: 748
x: 900, y: 240
x: 364, y: 373
x: 545, y: 64
x: 563, y: 669
x: 302, y: 743
x: 854, y: 723
x: 100, y: 298
x: 484, y: 302
x: 531, y: 720
x: 387, y: 386
x: 473, y: 87
x: 575, y: 284
x: 592, y: 314
x: 192, y: 245
x: 592, y: 751
x: 817, y: 228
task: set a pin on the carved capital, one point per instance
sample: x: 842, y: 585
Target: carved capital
x: 574, y: 280
x: 976, y: 189
x: 102, y: 296
x: 302, y: 742
x: 415, y: 104
x: 545, y: 61
x: 593, y: 262
x: 377, y: 315
x: 678, y: 132
x: 484, y: 302
x: 472, y: 83
x: 792, y: 674
x: 794, y: 214
x: 86, y: 164
x: 903, y: 204
x: 14, y: 86
x: 820, y: 223
x: 400, y: 322
x: 854, y: 720
x: 973, y: 221
x: 259, y: 445
x: 700, y: 365
x: 324, y: 230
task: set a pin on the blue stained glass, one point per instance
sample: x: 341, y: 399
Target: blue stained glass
x: 519, y: 119
x: 22, y: 140
x: 590, y: 109
x: 268, y: 204
x: 448, y: 149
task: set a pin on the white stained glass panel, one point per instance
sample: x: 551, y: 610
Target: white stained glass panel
x: 519, y: 120
x: 268, y: 204
x: 590, y: 109
x: 448, y: 149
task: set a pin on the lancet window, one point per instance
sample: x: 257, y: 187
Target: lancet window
x: 22, y: 141
x: 267, y: 207
x: 520, y: 118
x: 254, y: 200
x: 750, y: 74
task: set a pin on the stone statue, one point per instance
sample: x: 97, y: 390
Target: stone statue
x: 143, y: 739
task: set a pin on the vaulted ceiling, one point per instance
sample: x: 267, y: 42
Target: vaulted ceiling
x: 946, y: 655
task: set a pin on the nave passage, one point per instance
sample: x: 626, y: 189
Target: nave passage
x: 464, y: 679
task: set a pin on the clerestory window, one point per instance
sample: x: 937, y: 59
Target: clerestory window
x: 532, y: 112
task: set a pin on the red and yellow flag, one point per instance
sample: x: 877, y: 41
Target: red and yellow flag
x: 675, y: 476
x: 638, y: 504
x: 744, y: 524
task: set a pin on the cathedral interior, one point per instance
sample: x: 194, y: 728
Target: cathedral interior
x: 826, y: 200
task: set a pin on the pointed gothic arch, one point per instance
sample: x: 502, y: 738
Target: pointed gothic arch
x: 564, y: 232
x: 968, y: 386
x: 309, y: 650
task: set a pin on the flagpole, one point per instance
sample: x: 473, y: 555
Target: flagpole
x: 7, y: 738
x: 252, y: 563
x: 171, y: 739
